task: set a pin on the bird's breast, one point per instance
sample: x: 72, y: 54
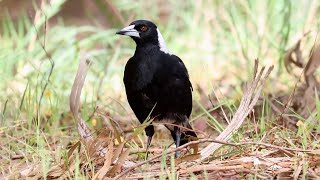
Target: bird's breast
x: 139, y: 74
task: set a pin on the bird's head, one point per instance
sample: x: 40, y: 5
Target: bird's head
x: 144, y: 32
x: 140, y: 30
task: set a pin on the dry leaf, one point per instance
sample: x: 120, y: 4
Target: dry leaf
x: 107, y: 163
x: 311, y: 67
x: 195, y: 147
x: 293, y: 56
x: 56, y: 172
x: 187, y: 158
x: 247, y: 165
x: 303, y: 102
x: 73, y: 148
x: 298, y: 170
x: 120, y: 161
x: 117, y: 152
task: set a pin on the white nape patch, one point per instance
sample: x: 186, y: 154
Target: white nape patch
x: 130, y: 31
x: 162, y: 44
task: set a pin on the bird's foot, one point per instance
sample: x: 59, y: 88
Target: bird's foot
x: 177, y: 155
x: 148, y: 146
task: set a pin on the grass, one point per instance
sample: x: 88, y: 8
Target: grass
x: 218, y: 42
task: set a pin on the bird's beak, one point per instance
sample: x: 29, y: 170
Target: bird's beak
x: 129, y: 31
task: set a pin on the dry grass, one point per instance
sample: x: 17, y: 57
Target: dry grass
x: 252, y: 159
x: 262, y: 129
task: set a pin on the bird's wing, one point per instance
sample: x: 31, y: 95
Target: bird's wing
x: 174, y: 88
x: 141, y: 104
x: 184, y: 69
x: 175, y: 97
x: 136, y: 87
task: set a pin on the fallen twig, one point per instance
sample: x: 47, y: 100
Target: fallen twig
x: 211, y: 168
x: 248, y: 101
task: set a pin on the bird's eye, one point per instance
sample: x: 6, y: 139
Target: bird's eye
x: 143, y: 28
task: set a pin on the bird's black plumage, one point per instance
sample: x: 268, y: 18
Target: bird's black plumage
x: 157, y: 82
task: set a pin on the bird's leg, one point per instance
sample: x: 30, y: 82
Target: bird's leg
x: 178, y: 136
x: 148, y: 146
x: 149, y: 132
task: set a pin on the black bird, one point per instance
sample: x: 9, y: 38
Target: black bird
x: 157, y: 83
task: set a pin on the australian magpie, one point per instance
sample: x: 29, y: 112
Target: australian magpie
x: 157, y: 83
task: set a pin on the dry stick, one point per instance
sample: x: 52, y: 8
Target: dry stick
x: 214, y: 141
x: 247, y: 103
x: 211, y: 168
x: 144, y: 175
x: 83, y: 129
x: 190, y: 170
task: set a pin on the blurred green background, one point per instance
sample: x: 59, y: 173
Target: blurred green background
x: 41, y: 41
